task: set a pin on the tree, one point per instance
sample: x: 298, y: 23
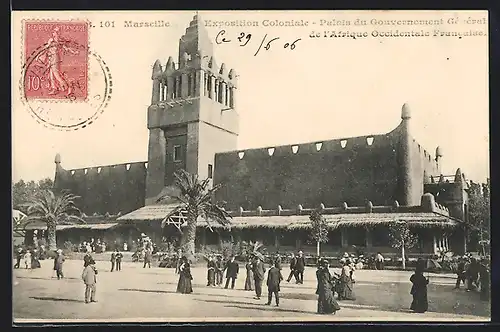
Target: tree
x: 250, y: 248
x: 479, y: 210
x: 319, y: 229
x: 22, y: 192
x: 195, y: 198
x: 52, y: 210
x: 401, y: 238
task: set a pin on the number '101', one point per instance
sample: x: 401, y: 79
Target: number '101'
x: 107, y: 24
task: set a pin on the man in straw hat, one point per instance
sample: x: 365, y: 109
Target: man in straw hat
x: 58, y: 264
x: 300, y: 267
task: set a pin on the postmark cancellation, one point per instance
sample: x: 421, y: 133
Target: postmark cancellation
x: 59, y: 68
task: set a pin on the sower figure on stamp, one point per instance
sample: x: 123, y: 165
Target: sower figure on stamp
x: 50, y: 58
x: 89, y: 277
x: 274, y: 278
x: 232, y: 270
x: 258, y: 275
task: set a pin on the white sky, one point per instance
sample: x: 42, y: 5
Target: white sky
x: 325, y: 88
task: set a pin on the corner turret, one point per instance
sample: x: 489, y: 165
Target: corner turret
x: 458, y: 175
x: 405, y: 112
x: 406, y: 184
x: 439, y: 156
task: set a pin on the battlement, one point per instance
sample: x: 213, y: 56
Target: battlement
x: 110, y: 189
x: 333, y: 145
x: 427, y: 206
x: 195, y: 75
x: 108, y: 168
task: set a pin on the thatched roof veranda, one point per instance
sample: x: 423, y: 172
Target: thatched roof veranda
x: 101, y: 226
x: 294, y: 222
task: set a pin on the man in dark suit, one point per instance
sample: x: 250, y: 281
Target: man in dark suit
x: 299, y: 267
x: 232, y: 269
x: 118, y: 258
x: 293, y: 261
x: 258, y: 275
x: 274, y: 278
x: 113, y: 260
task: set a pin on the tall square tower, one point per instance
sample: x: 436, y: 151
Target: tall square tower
x: 192, y: 114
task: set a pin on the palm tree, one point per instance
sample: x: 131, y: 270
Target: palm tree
x: 52, y: 210
x: 195, y: 199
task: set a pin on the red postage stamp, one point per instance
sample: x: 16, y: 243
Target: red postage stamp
x: 56, y: 60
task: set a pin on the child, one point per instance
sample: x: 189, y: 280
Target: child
x: 89, y: 279
x: 274, y: 278
x: 27, y: 260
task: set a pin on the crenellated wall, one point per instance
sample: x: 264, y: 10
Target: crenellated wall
x: 328, y: 172
x: 105, y: 189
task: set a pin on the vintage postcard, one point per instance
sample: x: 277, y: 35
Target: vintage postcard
x: 250, y: 166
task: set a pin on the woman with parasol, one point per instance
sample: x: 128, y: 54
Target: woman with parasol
x: 325, y: 289
x: 419, y: 289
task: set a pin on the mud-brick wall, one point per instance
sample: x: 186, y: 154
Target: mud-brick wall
x: 422, y: 162
x: 106, y: 189
x: 324, y: 172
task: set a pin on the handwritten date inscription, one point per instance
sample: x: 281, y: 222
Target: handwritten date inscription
x: 244, y: 39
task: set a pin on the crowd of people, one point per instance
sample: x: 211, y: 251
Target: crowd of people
x: 474, y: 274
x: 255, y: 276
x: 471, y: 272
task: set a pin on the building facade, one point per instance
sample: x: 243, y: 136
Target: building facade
x: 193, y: 124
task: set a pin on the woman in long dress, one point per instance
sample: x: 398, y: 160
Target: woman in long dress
x: 325, y: 290
x: 184, y: 285
x: 419, y: 290
x: 211, y: 272
x: 346, y: 291
x: 249, y: 279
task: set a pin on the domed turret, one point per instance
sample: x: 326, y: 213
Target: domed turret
x: 405, y: 112
x: 170, y: 64
x: 157, y: 71
x: 427, y: 202
x: 439, y: 152
x: 57, y: 159
x: 458, y: 175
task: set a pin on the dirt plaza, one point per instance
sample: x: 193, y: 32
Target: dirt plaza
x: 136, y: 294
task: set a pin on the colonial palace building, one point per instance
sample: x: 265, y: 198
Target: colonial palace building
x: 362, y: 184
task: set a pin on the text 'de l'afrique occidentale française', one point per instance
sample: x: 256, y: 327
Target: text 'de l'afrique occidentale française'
x: 266, y: 42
